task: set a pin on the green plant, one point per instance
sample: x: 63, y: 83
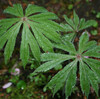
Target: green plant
x: 36, y: 20
x: 76, y: 25
x: 70, y: 6
x: 89, y: 68
x: 83, y: 56
x: 94, y: 32
x: 98, y: 15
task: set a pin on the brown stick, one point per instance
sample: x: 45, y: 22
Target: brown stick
x: 10, y: 3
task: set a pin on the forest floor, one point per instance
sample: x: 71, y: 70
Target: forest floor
x: 88, y: 9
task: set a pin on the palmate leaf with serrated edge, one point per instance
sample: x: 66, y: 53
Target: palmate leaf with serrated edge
x: 92, y: 78
x: 71, y: 80
x: 11, y: 41
x: 31, y: 9
x: 51, y: 56
x: 61, y: 77
x: 69, y: 22
x: 37, y: 19
x: 28, y: 40
x: 41, y: 39
x: 76, y: 20
x: 68, y: 37
x: 10, y: 35
x: 84, y: 44
x: 24, y: 49
x: 94, y: 65
x: 6, y: 23
x: 67, y: 46
x: 76, y: 25
x: 47, y: 31
x: 94, y: 52
x: 42, y: 24
x: 67, y: 27
x: 52, y: 63
x: 88, y: 73
x: 16, y: 10
x: 53, y: 25
x: 84, y: 82
x: 85, y: 24
x: 43, y: 16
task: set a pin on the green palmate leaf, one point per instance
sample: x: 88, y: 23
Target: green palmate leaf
x: 94, y: 52
x: 82, y: 24
x: 83, y: 40
x: 48, y: 28
x: 89, y: 69
x: 94, y: 65
x: 76, y: 20
x: 36, y: 20
x: 92, y: 78
x: 3, y: 40
x: 84, y: 82
x: 43, y: 16
x: 28, y: 39
x: 70, y: 22
x: 89, y: 78
x: 90, y: 45
x: 11, y: 41
x: 67, y: 46
x: 53, y: 25
x: 60, y: 77
x: 51, y: 64
x: 71, y: 80
x: 58, y: 67
x: 47, y: 31
x: 34, y: 46
x: 15, y: 10
x: 6, y: 23
x: 53, y: 35
x: 67, y: 27
x: 42, y: 40
x: 24, y: 50
x: 31, y: 9
x: 84, y: 44
x: 89, y: 23
x: 66, y: 78
x: 61, y: 46
x: 9, y: 21
x: 68, y: 37
x: 75, y: 25
x: 70, y: 46
x: 49, y: 24
x: 53, y: 56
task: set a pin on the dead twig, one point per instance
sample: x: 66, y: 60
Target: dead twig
x: 10, y: 3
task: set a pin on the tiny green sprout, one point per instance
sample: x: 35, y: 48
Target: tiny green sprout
x: 70, y: 6
x: 98, y: 15
x: 94, y: 32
